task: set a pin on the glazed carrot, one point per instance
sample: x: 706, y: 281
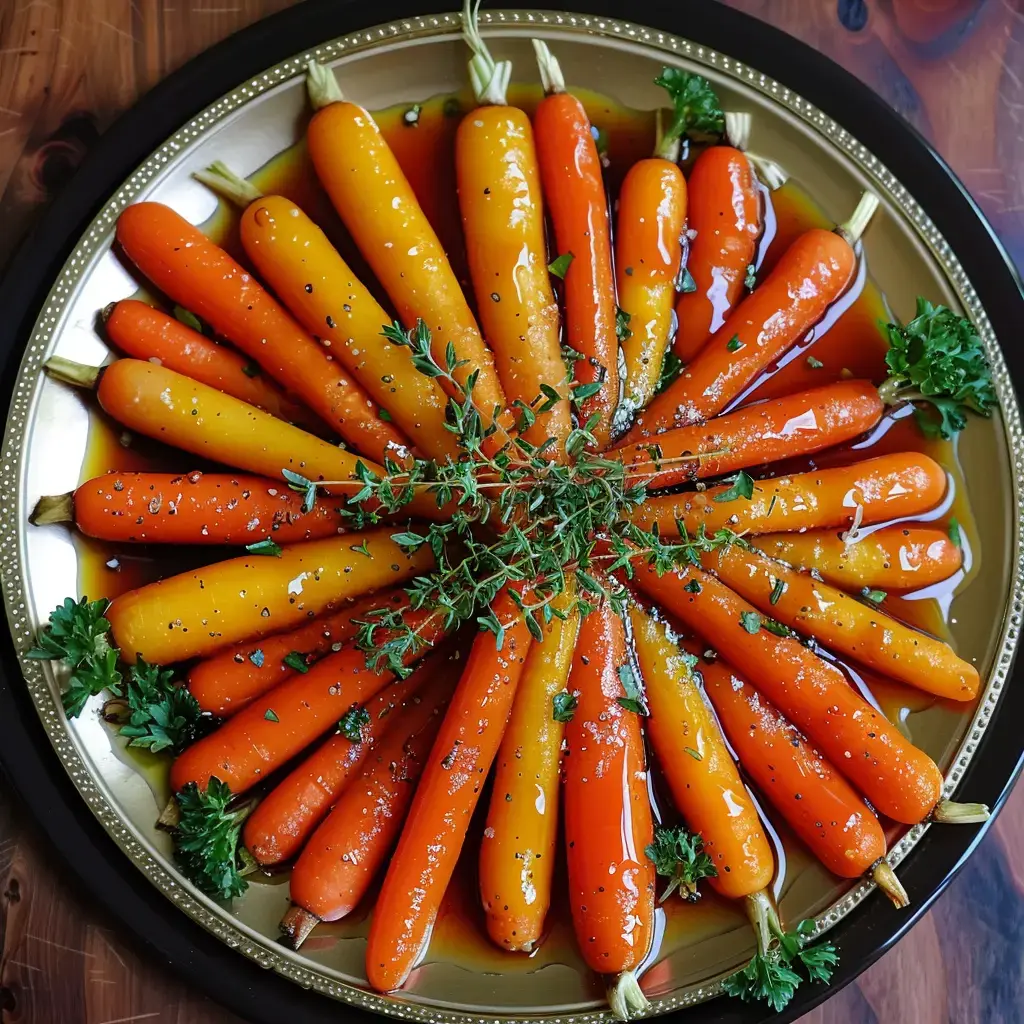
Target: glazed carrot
x: 725, y: 216
x: 230, y: 679
x: 139, y: 330
x: 503, y: 223
x: 282, y: 821
x: 308, y: 275
x: 892, y: 558
x: 435, y: 828
x: 571, y: 174
x: 180, y: 260
x: 189, y: 508
x: 345, y: 853
x: 608, y: 815
x: 901, y: 781
x: 284, y: 721
x: 887, y: 487
x: 517, y: 854
x: 815, y: 800
x: 843, y: 624
x: 758, y: 434
x: 380, y: 210
x: 701, y: 774
x: 192, y: 614
x: 813, y: 272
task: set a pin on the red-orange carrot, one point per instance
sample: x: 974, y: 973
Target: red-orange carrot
x: 887, y: 487
x: 435, y: 828
x: 608, y: 820
x: 227, y: 681
x: 810, y: 276
x: 345, y: 853
x: 573, y: 183
x: 900, y: 781
x: 285, y: 720
x: 758, y: 434
x: 139, y: 330
x: 180, y: 260
x: 189, y: 508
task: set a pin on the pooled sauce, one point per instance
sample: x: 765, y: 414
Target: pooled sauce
x: 851, y: 344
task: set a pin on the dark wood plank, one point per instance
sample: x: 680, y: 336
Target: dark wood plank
x: 954, y: 68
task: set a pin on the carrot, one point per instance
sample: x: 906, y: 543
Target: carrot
x: 725, y: 217
x: 380, y: 210
x: 814, y: 799
x: 813, y: 272
x: 758, y: 434
x: 843, y: 624
x: 180, y: 260
x: 608, y: 815
x: 900, y: 781
x: 651, y: 219
x: 701, y: 774
x: 345, y: 853
x: 189, y: 508
x: 231, y: 678
x: 503, y: 223
x: 308, y: 275
x: 192, y: 614
x: 892, y: 558
x: 139, y: 330
x: 887, y: 487
x: 571, y: 174
x: 272, y: 730
x: 517, y: 854
x: 449, y: 788
x: 282, y: 821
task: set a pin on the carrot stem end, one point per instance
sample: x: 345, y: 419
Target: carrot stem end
x: 67, y: 371
x: 854, y: 228
x: 885, y: 878
x: 228, y: 185
x: 625, y: 997
x: 950, y: 812
x: 322, y: 86
x: 550, y: 70
x: 53, y: 508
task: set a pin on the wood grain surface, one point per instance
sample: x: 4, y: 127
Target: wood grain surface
x: 954, y: 68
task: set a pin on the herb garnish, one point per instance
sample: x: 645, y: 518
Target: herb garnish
x: 188, y: 318
x: 634, y: 698
x: 297, y: 661
x: 563, y: 706
x: 560, y: 264
x: 698, y: 112
x: 742, y: 487
x: 671, y: 367
x: 678, y: 855
x: 750, y: 621
x: 351, y: 724
x: 622, y: 318
x: 264, y: 547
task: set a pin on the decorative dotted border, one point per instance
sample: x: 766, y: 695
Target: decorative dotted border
x: 40, y: 678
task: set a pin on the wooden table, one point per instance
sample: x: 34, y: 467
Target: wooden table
x: 954, y: 68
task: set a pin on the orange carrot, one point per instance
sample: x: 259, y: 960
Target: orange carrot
x: 701, y: 774
x: 725, y: 216
x: 900, y: 781
x: 345, y: 853
x: 380, y: 210
x: 190, y: 508
x: 197, y: 612
x: 892, y: 558
x: 815, y: 800
x: 571, y: 174
x: 503, y: 223
x: 435, y: 828
x: 285, y: 720
x: 139, y: 330
x: 305, y: 271
x: 813, y: 272
x: 757, y: 434
x: 180, y: 260
x: 227, y: 681
x: 517, y: 855
x: 282, y: 821
x: 844, y: 624
x: 887, y: 487
x: 608, y: 815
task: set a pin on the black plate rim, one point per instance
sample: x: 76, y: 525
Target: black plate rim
x: 25, y: 752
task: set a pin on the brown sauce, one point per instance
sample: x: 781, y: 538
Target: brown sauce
x: 852, y: 343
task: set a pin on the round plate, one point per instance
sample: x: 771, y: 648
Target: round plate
x: 249, y: 123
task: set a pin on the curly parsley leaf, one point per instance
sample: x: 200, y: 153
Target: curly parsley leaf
x: 698, y: 111
x: 563, y: 706
x: 679, y: 856
x: 352, y: 722
x: 156, y: 713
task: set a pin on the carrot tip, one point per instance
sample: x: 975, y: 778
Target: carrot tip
x: 949, y: 812
x: 296, y: 925
x: 53, y: 508
x: 69, y: 372
x: 886, y: 880
x: 625, y: 997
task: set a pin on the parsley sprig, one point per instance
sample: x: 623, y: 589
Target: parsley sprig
x: 938, y: 359
x: 698, y: 111
x: 771, y: 976
x: 679, y: 856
